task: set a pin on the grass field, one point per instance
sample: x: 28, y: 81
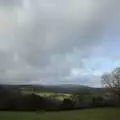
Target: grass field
x: 58, y: 96
x: 91, y: 114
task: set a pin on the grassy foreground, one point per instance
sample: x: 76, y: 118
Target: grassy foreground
x: 91, y: 114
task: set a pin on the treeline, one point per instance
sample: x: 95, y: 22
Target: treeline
x: 16, y: 101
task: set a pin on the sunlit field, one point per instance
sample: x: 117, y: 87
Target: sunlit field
x: 91, y: 114
x: 58, y: 96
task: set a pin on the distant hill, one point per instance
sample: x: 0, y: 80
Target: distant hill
x: 65, y: 88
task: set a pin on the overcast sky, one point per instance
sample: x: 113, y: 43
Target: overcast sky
x: 58, y: 41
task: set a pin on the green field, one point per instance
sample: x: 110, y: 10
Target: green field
x: 58, y: 96
x: 93, y: 114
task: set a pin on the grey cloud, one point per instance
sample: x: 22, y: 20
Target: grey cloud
x: 46, y: 30
x: 63, y: 34
x: 10, y: 2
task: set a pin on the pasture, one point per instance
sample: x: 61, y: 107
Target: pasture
x: 91, y: 114
x: 58, y: 96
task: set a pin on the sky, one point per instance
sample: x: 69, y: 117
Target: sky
x: 53, y: 42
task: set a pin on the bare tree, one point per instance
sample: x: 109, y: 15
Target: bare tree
x: 111, y: 81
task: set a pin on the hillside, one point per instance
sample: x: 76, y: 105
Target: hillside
x: 69, y: 88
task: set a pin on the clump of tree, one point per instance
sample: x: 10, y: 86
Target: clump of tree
x: 67, y: 104
x: 111, y: 81
x: 16, y: 101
